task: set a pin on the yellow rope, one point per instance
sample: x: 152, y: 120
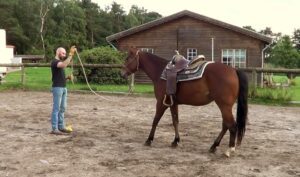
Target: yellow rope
x: 87, y: 82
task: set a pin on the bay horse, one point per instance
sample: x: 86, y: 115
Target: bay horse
x: 220, y: 83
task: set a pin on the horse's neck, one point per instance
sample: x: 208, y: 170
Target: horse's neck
x: 153, y: 67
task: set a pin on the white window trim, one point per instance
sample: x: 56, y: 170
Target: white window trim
x: 146, y: 49
x: 188, y: 52
x: 235, y: 53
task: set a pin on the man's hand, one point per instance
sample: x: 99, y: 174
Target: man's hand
x: 70, y: 77
x: 72, y: 50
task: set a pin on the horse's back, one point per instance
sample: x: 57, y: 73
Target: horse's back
x: 219, y: 83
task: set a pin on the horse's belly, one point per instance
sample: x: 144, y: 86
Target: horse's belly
x: 195, y: 100
x: 195, y: 93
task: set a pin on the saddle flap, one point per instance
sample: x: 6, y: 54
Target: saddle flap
x: 193, y: 71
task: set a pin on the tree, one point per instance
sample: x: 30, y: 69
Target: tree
x: 131, y: 21
x: 150, y: 16
x: 67, y: 26
x: 29, y: 22
x: 268, y: 32
x: 249, y: 28
x: 138, y: 16
x: 14, y: 31
x: 296, y: 39
x: 284, y: 54
x: 93, y: 25
x: 117, y: 15
x: 44, y: 9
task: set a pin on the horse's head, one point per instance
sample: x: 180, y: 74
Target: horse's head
x: 131, y: 64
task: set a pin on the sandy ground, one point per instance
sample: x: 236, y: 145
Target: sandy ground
x: 109, y: 136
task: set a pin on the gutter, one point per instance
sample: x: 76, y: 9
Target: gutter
x: 263, y: 61
x: 111, y: 44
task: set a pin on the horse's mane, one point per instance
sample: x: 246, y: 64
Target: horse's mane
x: 159, y: 59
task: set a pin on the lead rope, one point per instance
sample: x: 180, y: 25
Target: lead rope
x: 87, y: 82
x: 72, y: 69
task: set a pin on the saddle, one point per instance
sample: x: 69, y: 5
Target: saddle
x: 181, y: 69
x: 177, y: 64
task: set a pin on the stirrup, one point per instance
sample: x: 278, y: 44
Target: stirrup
x: 171, y: 99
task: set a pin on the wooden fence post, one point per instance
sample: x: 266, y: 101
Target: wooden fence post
x: 23, y: 75
x: 254, y: 78
x: 131, y: 85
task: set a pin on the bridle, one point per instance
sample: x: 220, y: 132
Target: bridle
x: 137, y: 57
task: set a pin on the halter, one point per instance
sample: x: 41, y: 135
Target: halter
x: 137, y: 57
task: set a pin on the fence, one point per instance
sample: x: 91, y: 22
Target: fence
x: 253, y: 71
x: 23, y: 65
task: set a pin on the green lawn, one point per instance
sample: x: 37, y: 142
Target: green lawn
x: 40, y: 79
x: 294, y: 89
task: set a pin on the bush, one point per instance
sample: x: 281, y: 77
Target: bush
x: 101, y: 55
x: 270, y: 95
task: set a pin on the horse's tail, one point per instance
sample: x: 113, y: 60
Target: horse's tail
x: 242, y: 106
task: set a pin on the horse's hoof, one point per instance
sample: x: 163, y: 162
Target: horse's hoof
x: 212, y: 150
x: 228, y: 152
x: 174, y: 144
x: 148, y: 143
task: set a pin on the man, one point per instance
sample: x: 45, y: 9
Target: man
x: 59, y: 89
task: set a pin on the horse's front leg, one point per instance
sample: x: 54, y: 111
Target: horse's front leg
x: 175, y: 120
x: 160, y: 110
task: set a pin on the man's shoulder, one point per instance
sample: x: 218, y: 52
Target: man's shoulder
x: 54, y: 62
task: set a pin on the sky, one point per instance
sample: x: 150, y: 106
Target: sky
x: 259, y: 14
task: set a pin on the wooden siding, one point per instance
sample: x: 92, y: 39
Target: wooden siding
x: 187, y: 32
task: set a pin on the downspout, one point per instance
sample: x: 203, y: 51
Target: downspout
x: 263, y: 61
x: 111, y: 45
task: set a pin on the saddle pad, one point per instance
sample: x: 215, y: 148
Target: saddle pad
x: 188, y: 74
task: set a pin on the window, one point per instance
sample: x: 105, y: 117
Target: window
x: 149, y: 50
x: 191, y: 53
x: 234, y: 57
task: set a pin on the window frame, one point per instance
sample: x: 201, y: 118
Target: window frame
x: 236, y: 58
x: 147, y: 49
x: 194, y: 53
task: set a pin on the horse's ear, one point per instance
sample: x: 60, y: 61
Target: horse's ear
x: 132, y: 49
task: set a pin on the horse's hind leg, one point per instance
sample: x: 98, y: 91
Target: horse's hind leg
x: 228, y: 124
x: 160, y: 110
x: 213, y: 148
x: 175, y: 120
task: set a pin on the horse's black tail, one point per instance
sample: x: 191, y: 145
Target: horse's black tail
x: 242, y: 106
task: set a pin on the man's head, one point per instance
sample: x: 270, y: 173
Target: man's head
x: 60, y: 53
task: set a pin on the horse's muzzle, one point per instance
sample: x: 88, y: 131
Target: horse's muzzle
x: 124, y: 74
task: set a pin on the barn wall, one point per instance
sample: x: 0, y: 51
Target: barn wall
x: 187, y: 32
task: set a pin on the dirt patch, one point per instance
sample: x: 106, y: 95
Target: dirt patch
x: 109, y: 136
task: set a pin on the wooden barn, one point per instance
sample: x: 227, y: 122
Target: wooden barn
x: 193, y: 34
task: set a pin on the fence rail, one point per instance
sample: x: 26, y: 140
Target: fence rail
x: 271, y: 70
x: 48, y: 65
x: 254, y: 71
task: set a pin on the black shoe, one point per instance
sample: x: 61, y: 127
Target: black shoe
x: 56, y: 132
x: 65, y: 130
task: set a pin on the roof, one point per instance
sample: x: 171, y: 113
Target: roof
x: 37, y: 57
x: 188, y: 13
x: 10, y: 46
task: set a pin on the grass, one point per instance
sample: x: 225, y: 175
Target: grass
x: 39, y: 79
x: 294, y: 88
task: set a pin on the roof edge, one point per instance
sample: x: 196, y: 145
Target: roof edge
x: 180, y: 14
